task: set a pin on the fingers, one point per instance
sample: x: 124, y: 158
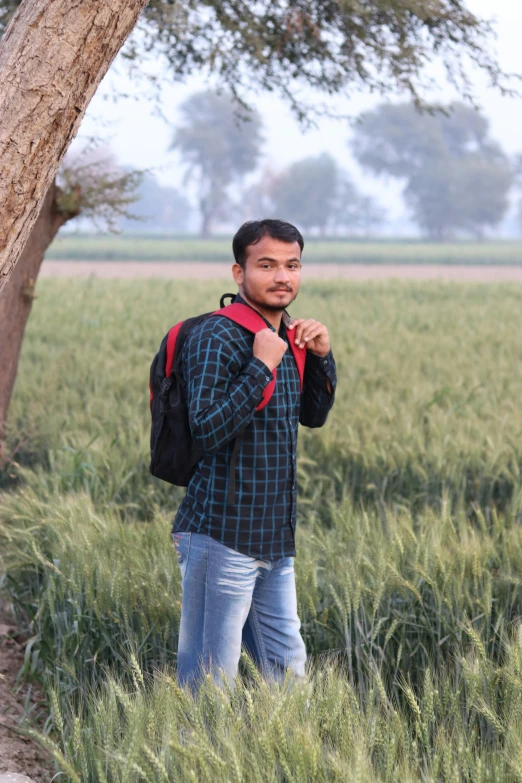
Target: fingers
x: 311, y: 335
x: 306, y: 330
x: 298, y: 326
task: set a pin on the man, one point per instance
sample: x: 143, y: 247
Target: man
x: 236, y: 559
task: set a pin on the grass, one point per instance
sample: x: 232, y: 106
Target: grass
x: 388, y: 251
x: 409, y: 564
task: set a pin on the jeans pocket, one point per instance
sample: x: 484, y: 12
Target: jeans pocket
x: 182, y: 546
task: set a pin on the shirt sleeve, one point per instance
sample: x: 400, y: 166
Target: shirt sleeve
x: 223, y: 391
x: 316, y: 399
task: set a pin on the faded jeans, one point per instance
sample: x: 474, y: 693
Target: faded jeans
x: 230, y: 599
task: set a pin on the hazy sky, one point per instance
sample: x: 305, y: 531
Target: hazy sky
x: 141, y: 138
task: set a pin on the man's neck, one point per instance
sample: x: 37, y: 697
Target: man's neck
x: 272, y: 316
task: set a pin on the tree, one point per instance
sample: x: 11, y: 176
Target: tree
x: 256, y: 199
x: 317, y: 194
x: 52, y: 58
x: 158, y: 208
x: 331, y: 45
x: 217, y: 151
x: 357, y: 211
x: 456, y: 177
x: 307, y: 193
x: 89, y: 183
x: 517, y: 173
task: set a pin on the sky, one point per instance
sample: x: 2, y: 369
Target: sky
x: 140, y: 137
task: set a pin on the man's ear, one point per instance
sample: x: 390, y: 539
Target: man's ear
x: 237, y: 272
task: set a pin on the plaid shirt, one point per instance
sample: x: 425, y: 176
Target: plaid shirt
x: 225, y: 383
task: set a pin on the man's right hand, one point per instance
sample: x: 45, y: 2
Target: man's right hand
x: 269, y: 348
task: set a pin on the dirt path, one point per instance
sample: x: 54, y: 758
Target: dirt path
x: 17, y: 754
x: 201, y: 271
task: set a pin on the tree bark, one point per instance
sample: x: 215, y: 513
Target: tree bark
x: 52, y: 58
x: 16, y: 300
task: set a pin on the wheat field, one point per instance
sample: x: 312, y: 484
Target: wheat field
x: 409, y: 545
x: 156, y: 247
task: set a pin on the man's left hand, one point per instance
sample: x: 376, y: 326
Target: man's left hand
x: 310, y: 333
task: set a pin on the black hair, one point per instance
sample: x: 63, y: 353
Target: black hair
x: 253, y: 230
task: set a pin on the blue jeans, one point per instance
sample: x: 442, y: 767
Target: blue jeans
x: 231, y: 599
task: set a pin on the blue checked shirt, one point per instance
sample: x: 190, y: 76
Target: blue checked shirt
x: 225, y: 383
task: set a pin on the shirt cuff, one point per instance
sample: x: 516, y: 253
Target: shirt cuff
x: 325, y: 364
x: 259, y: 371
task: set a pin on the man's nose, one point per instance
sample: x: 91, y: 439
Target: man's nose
x: 281, y: 275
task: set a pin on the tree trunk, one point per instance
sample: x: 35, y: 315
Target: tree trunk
x: 52, y: 58
x: 206, y: 219
x: 16, y: 300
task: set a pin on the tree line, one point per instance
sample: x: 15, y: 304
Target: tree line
x: 456, y: 180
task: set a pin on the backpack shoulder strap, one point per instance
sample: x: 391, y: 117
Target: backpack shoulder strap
x: 244, y: 316
x: 171, y: 347
x: 300, y: 358
x: 248, y: 318
x: 176, y: 339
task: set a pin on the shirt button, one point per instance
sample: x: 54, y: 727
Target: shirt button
x: 325, y: 361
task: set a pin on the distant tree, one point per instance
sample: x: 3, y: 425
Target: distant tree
x: 218, y: 150
x: 256, y: 199
x: 315, y: 193
x: 356, y: 211
x: 456, y: 177
x: 307, y: 192
x: 517, y: 172
x: 157, y: 208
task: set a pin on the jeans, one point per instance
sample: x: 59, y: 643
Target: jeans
x: 230, y: 599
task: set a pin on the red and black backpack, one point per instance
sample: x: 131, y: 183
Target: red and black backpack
x: 173, y: 455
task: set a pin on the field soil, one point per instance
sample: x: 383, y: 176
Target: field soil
x: 17, y: 754
x: 207, y: 271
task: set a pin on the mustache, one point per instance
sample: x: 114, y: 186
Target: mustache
x: 281, y: 289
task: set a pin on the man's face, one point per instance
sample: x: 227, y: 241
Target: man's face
x: 272, y: 273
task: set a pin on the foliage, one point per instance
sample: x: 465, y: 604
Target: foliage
x: 409, y: 548
x: 333, y: 47
x: 307, y: 192
x: 217, y: 150
x: 316, y: 193
x: 92, y: 184
x: 456, y: 177
x: 160, y: 208
x: 356, y: 211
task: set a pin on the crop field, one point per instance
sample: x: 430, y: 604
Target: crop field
x: 409, y: 545
x: 164, y: 248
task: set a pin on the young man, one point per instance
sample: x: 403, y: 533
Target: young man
x: 236, y: 558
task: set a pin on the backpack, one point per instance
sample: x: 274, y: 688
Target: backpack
x: 173, y: 454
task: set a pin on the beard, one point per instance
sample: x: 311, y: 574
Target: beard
x: 275, y: 308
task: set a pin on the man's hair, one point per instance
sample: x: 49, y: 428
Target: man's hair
x: 253, y: 230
